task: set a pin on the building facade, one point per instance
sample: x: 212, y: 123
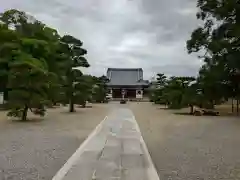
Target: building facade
x: 126, y: 83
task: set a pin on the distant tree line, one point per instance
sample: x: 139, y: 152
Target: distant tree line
x: 218, y: 39
x: 40, y: 68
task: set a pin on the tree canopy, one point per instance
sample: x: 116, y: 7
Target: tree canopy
x: 38, y: 66
x: 218, y: 40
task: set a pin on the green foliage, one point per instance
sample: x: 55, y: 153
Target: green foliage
x: 172, y: 91
x: 37, y: 64
x: 27, y: 83
x: 156, y: 92
x: 83, y: 90
x: 100, y: 89
x: 218, y: 39
x: 72, y: 47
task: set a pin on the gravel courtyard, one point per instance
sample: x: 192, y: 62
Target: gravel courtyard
x: 190, y: 148
x: 181, y: 147
x: 37, y: 150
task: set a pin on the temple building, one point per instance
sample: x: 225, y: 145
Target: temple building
x: 126, y: 83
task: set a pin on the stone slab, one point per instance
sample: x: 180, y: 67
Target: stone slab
x: 115, y: 152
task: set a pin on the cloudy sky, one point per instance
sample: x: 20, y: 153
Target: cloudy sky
x: 150, y: 34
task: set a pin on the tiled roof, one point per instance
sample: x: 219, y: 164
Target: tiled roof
x: 124, y: 76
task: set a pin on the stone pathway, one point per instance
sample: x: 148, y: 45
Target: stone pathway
x: 114, y: 151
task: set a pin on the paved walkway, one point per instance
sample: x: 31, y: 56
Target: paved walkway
x: 114, y: 151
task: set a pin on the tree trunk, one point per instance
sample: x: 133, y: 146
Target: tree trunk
x: 84, y: 104
x: 5, y: 95
x: 24, y: 113
x: 191, y: 109
x: 237, y: 106
x: 212, y: 105
x: 71, y: 104
x: 71, y: 96
x: 232, y: 105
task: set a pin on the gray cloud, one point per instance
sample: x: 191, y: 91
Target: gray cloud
x: 124, y: 33
x: 175, y: 70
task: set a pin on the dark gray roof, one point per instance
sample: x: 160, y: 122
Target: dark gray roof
x: 125, y: 76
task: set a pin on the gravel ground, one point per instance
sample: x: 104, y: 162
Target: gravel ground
x: 36, y: 150
x: 182, y: 147
x: 190, y: 148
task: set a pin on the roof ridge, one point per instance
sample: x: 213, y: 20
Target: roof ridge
x: 125, y: 69
x: 125, y: 76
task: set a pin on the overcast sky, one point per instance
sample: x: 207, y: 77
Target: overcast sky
x: 150, y: 34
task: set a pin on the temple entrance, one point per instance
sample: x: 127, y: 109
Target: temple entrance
x: 117, y: 93
x: 128, y: 79
x: 130, y: 93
